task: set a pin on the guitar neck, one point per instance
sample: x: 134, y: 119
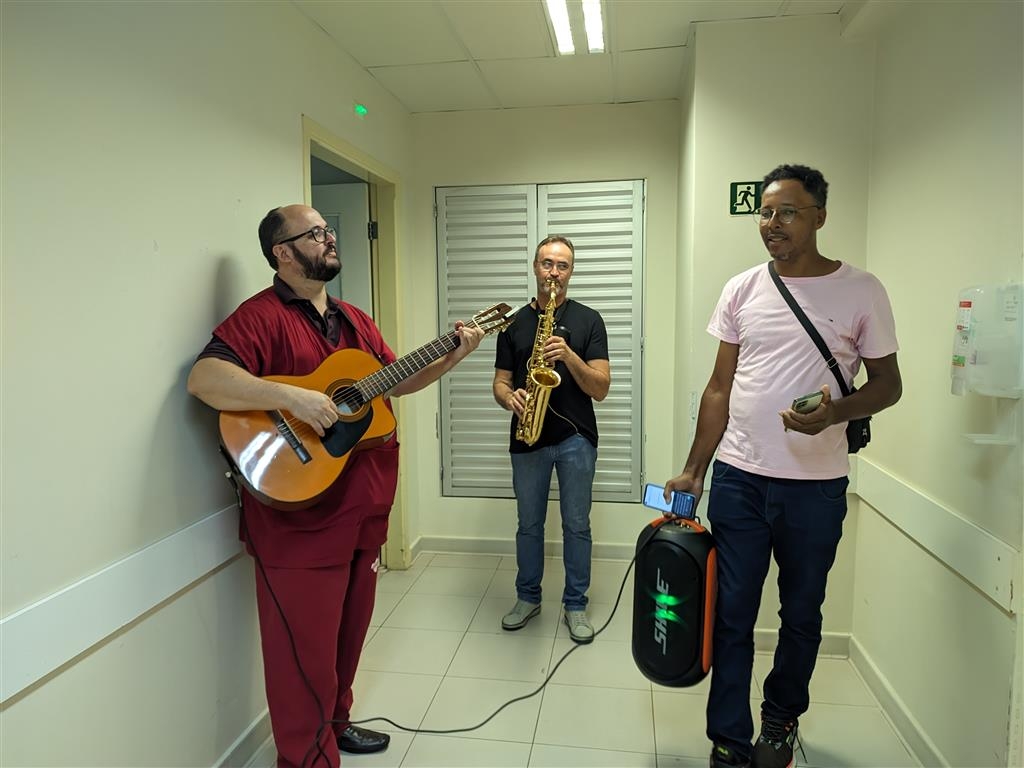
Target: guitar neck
x: 392, y: 375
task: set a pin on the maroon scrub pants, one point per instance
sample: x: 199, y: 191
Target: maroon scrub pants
x: 328, y: 611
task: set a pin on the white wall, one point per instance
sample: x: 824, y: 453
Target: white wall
x: 566, y: 144
x: 945, y: 212
x: 142, y: 143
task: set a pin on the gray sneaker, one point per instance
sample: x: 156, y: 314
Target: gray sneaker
x: 580, y: 629
x: 521, y: 613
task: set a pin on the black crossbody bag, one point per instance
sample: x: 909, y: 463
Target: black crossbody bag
x: 858, y: 431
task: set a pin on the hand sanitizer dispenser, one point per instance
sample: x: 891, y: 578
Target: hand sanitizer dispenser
x: 988, y: 344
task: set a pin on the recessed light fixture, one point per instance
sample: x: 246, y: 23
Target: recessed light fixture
x: 594, y: 26
x: 558, y: 13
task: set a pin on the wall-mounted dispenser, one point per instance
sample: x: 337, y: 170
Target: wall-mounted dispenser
x: 988, y: 344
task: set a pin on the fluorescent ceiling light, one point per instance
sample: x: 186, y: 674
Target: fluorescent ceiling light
x: 594, y: 26
x: 559, y: 15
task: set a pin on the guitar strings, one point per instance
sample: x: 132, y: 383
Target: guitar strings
x: 353, y: 399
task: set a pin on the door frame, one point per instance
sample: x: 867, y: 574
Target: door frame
x: 384, y: 184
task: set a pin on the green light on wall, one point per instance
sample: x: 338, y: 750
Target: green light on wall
x: 360, y: 110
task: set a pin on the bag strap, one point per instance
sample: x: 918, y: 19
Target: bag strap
x: 830, y: 360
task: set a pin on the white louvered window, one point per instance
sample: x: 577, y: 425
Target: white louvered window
x: 485, y: 242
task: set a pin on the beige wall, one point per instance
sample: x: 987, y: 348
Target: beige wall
x: 567, y: 144
x: 945, y: 212
x: 142, y: 143
x: 929, y: 120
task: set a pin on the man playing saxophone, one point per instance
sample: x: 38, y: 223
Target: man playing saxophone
x: 551, y: 365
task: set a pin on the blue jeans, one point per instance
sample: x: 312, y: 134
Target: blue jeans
x: 573, y: 459
x: 752, y: 518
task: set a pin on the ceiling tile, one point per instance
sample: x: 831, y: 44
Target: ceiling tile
x: 501, y: 29
x: 436, y: 87
x: 581, y: 79
x: 641, y: 24
x: 636, y: 24
x: 806, y: 7
x: 649, y: 75
x: 384, y: 33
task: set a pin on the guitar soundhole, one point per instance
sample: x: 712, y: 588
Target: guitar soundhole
x: 355, y: 418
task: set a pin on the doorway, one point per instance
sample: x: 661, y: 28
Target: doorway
x: 367, y: 197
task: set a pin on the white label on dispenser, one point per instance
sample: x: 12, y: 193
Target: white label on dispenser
x: 963, y: 316
x: 1011, y: 306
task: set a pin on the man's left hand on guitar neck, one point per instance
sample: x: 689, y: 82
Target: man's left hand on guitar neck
x: 469, y: 339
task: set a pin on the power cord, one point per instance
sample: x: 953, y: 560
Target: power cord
x: 551, y: 674
x: 325, y: 723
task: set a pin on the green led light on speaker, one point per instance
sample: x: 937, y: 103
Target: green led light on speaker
x: 667, y: 600
x: 360, y: 110
x: 667, y: 615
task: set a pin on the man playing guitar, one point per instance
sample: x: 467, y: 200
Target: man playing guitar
x: 316, y: 566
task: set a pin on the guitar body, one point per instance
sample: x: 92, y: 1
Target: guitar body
x: 281, y: 460
x: 285, y: 464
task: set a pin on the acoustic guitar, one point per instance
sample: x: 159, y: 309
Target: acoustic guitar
x: 285, y: 464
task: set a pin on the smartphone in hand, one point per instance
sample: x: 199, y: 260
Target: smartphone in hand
x: 682, y: 505
x: 807, y: 403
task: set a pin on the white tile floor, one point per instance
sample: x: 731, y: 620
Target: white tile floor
x: 436, y: 658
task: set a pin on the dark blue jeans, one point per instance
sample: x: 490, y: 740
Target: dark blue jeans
x: 752, y: 518
x: 574, y: 460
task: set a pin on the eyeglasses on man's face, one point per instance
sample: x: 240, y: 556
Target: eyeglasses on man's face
x: 562, y: 266
x: 319, y: 234
x: 786, y: 214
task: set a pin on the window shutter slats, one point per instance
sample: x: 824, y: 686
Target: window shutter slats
x: 486, y: 237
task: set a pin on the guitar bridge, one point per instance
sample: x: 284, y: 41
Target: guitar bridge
x: 290, y: 437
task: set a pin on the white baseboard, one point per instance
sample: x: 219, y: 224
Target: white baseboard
x: 836, y: 644
x: 906, y: 725
x: 507, y: 547
x: 250, y: 745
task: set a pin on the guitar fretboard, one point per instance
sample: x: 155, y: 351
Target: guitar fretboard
x: 391, y: 375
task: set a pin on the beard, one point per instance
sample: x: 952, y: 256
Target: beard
x: 316, y: 269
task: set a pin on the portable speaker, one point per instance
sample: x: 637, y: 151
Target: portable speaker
x: 674, y: 601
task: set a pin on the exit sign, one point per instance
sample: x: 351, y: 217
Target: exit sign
x: 744, y: 197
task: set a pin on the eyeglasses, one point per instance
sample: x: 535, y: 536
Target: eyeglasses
x: 563, y: 266
x: 786, y: 215
x: 319, y: 234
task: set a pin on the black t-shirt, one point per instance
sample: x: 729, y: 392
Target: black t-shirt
x: 570, y: 409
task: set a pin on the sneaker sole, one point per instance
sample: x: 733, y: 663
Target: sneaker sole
x: 520, y: 625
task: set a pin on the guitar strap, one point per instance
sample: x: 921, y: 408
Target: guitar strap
x: 359, y: 333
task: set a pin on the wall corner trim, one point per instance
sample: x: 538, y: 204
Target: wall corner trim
x: 987, y: 562
x: 42, y: 636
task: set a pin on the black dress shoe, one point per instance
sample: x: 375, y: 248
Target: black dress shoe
x: 362, y: 741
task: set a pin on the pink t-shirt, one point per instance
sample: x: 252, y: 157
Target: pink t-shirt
x: 778, y: 362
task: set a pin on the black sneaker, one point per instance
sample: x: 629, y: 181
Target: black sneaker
x: 723, y: 757
x: 774, y: 747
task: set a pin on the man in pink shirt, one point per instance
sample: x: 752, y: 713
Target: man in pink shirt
x: 779, y: 480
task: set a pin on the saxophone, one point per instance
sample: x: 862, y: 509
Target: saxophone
x: 541, y: 378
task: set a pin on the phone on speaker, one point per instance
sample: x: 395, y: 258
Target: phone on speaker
x: 682, y: 505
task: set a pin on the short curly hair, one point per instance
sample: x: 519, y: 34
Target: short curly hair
x: 812, y: 180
